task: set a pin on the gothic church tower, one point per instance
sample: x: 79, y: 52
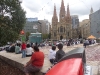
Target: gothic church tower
x: 63, y: 28
x: 54, y: 24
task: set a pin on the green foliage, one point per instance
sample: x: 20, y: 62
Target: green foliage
x: 44, y: 36
x: 12, y: 20
x: 49, y: 35
x: 27, y: 36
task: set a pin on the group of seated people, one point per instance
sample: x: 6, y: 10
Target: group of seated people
x: 55, y: 56
x: 87, y: 42
x: 37, y: 58
x: 17, y: 49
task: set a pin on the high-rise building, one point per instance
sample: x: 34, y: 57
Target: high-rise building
x: 85, y: 28
x: 75, y: 21
x: 95, y: 23
x: 44, y: 26
x: 32, y: 25
x: 62, y: 29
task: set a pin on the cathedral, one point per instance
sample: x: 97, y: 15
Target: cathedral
x: 61, y: 29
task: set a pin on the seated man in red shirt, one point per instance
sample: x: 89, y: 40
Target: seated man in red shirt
x: 36, y: 61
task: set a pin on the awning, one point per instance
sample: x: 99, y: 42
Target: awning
x: 91, y: 37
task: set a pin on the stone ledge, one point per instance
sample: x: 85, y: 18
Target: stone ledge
x: 15, y: 60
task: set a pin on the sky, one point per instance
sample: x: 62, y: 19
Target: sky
x: 43, y: 9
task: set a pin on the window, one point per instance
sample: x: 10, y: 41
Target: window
x: 58, y: 29
x: 54, y: 34
x: 61, y: 29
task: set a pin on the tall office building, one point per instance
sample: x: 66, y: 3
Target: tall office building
x: 32, y: 25
x: 75, y: 21
x: 95, y: 23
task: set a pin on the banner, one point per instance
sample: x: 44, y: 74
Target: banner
x: 35, y: 27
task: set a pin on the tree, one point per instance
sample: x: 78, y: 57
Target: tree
x: 44, y: 36
x: 27, y: 35
x: 49, y: 35
x: 12, y: 20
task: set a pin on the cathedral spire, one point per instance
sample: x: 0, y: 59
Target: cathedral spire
x: 54, y: 18
x: 91, y: 11
x: 68, y: 12
x: 62, y: 11
x: 62, y: 4
x: 54, y: 13
x: 68, y: 17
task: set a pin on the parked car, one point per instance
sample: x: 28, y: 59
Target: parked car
x: 1, y: 48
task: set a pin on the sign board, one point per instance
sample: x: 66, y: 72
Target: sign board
x: 88, y: 70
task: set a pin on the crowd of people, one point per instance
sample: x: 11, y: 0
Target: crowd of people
x: 37, y: 57
x: 87, y: 42
x: 17, y: 48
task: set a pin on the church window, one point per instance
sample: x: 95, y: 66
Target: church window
x: 61, y: 29
x: 54, y: 34
x: 68, y: 34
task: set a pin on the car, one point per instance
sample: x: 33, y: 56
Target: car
x: 1, y: 48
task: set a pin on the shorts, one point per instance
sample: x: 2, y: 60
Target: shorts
x: 31, y: 69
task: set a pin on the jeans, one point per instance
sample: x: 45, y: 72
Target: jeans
x: 23, y: 53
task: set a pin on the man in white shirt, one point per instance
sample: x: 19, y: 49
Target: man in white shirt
x: 29, y: 50
x: 52, y: 54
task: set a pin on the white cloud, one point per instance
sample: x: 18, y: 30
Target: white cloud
x: 44, y: 8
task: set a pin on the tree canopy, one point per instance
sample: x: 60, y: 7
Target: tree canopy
x: 12, y: 20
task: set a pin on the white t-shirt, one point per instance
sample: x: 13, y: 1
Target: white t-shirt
x: 52, y: 54
x: 29, y: 51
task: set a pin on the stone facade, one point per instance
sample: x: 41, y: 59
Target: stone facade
x: 6, y: 69
x: 12, y: 67
x: 85, y: 28
x: 62, y: 29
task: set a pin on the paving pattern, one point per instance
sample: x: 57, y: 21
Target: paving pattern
x: 93, y: 58
x: 93, y: 53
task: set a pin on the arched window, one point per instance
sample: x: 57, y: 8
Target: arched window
x: 61, y: 29
x: 54, y: 34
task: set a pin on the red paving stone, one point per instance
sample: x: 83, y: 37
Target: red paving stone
x: 93, y: 53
